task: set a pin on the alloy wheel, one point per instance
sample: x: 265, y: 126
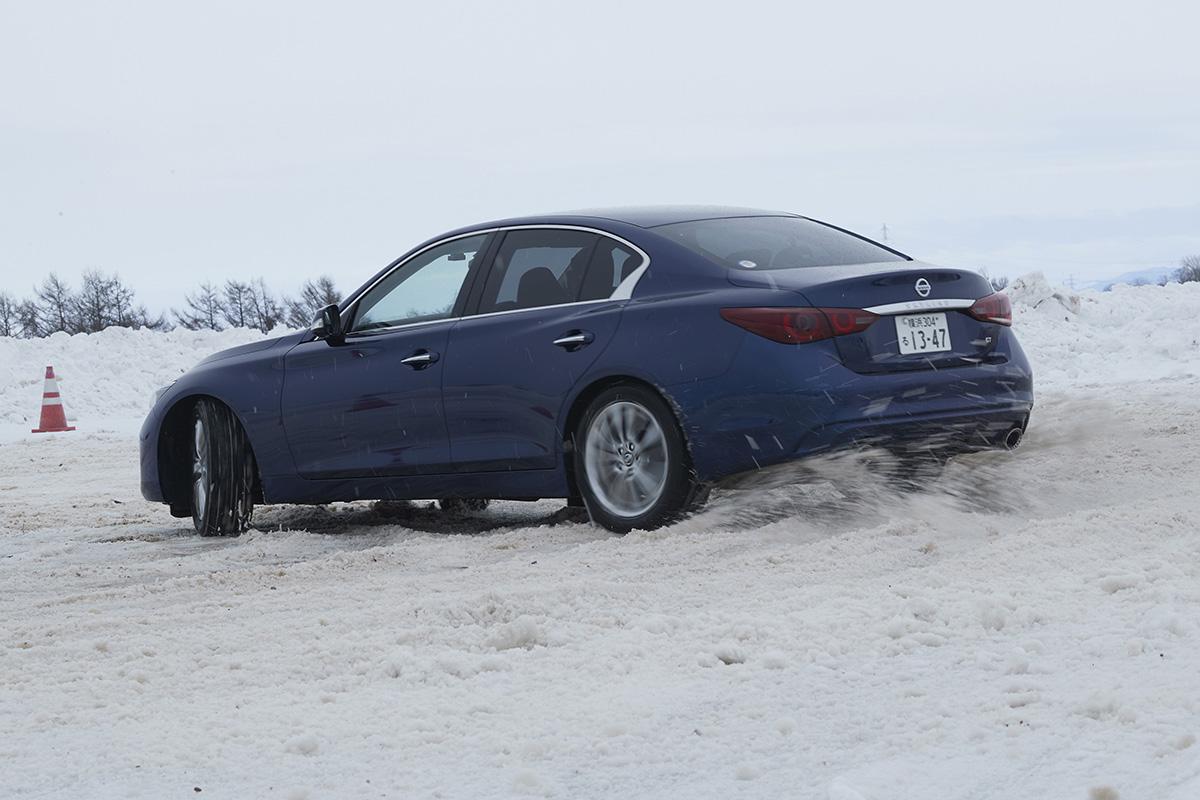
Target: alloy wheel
x: 200, y: 467
x: 626, y: 457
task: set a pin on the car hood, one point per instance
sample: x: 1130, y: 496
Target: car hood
x: 254, y: 347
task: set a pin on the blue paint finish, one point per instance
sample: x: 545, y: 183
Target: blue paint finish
x: 248, y: 379
x: 504, y: 381
x: 779, y: 402
x: 355, y: 410
x: 489, y: 418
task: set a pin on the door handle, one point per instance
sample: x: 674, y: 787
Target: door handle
x: 573, y: 340
x: 420, y: 359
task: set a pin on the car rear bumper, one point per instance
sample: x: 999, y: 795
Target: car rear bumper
x: 780, y: 402
x: 941, y: 431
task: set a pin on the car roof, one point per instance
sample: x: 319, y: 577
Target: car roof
x: 639, y: 216
x: 652, y: 216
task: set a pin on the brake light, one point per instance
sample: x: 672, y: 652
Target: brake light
x: 993, y: 308
x: 848, y: 320
x: 799, y: 325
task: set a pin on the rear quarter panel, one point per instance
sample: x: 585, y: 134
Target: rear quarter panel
x: 671, y: 329
x: 672, y: 337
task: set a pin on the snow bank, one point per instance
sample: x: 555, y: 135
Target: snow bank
x: 1132, y: 333
x: 1034, y: 292
x: 106, y: 378
x: 1089, y: 338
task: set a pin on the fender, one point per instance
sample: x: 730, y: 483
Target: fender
x: 247, y: 379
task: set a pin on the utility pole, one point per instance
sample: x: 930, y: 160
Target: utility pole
x: 884, y: 232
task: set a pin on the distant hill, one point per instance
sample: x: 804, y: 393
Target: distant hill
x: 1152, y: 275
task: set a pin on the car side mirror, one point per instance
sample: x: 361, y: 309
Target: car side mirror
x: 329, y: 324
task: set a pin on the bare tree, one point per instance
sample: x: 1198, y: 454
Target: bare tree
x: 159, y: 323
x: 265, y: 310
x: 204, y: 309
x: 122, y: 310
x: 138, y: 317
x: 55, y: 306
x: 104, y: 301
x: 314, y: 295
x: 93, y: 305
x: 250, y: 305
x: 1189, y: 270
x: 998, y: 283
x: 10, y: 324
x: 29, y: 319
x: 237, y: 306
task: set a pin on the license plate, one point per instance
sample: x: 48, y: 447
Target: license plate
x: 922, y: 333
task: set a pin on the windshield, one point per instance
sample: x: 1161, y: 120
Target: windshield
x: 757, y: 243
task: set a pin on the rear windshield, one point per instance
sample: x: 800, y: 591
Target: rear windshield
x: 755, y: 243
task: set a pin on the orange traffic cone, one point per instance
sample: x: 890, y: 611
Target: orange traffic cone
x: 54, y: 419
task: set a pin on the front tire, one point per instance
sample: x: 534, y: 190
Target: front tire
x: 632, y: 462
x: 223, y: 472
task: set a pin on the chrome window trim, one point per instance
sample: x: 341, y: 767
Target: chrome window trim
x: 624, y: 291
x: 376, y: 331
x: 469, y: 317
x: 920, y: 305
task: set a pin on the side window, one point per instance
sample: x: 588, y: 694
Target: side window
x: 423, y: 289
x: 537, y: 268
x: 611, y: 263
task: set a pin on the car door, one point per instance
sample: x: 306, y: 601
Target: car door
x: 372, y: 403
x: 542, y: 316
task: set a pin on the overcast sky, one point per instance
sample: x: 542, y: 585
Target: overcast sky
x: 175, y: 143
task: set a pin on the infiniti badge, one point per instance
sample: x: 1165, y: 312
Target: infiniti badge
x: 922, y: 287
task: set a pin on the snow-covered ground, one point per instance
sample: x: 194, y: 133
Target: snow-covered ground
x: 108, y: 379
x: 1028, y: 629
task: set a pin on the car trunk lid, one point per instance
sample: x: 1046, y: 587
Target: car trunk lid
x: 923, y: 321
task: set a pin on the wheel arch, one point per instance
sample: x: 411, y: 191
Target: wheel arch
x: 589, y: 393
x: 174, y: 452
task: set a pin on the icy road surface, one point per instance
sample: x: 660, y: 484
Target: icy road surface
x: 1028, y: 628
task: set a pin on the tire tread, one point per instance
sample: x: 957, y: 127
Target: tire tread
x: 231, y: 473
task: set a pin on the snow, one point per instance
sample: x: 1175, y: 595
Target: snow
x: 1029, y: 628
x: 1130, y: 334
x: 1139, y: 277
x: 108, y: 378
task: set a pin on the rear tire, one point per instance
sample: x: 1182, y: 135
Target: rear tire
x: 631, y: 462
x: 223, y: 472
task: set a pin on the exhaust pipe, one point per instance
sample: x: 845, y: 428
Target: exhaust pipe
x: 1013, y: 438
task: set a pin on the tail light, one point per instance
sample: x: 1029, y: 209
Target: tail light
x: 848, y: 320
x: 993, y: 308
x: 799, y: 325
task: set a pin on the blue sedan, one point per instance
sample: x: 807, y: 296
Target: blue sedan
x: 623, y: 359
